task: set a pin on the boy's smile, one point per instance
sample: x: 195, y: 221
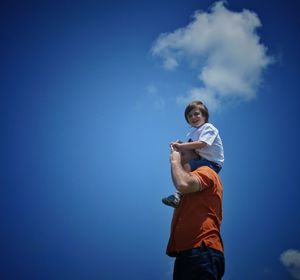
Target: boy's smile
x: 195, y: 118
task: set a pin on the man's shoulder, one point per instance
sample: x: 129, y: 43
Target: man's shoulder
x: 207, y: 174
x: 206, y: 170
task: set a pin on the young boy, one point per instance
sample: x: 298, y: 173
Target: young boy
x: 203, y: 148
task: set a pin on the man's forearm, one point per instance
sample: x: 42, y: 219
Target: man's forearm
x: 177, y: 174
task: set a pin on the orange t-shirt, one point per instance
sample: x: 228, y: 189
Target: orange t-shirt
x: 199, y: 215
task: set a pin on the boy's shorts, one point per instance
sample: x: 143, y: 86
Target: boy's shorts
x: 196, y: 163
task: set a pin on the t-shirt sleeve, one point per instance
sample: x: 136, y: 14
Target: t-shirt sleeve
x: 204, y: 178
x: 208, y: 134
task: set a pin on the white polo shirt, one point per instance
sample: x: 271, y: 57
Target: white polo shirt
x: 210, y: 135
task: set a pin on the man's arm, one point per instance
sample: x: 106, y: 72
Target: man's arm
x: 183, y: 181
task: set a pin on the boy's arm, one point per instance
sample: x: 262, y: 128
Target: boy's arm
x: 190, y: 145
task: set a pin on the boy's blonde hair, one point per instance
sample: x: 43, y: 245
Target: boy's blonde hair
x: 199, y: 105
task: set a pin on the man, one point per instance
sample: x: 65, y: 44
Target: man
x: 195, y: 238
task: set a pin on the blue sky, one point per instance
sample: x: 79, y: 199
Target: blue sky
x: 91, y: 95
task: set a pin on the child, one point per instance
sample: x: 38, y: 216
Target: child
x: 203, y: 148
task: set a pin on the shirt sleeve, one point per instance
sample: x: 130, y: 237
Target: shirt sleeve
x: 204, y: 178
x: 208, y: 134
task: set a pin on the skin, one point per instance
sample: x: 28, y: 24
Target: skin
x: 183, y: 181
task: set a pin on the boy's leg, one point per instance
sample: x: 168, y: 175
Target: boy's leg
x: 187, y: 156
x: 187, y: 167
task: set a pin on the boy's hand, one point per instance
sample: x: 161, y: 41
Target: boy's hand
x: 176, y: 144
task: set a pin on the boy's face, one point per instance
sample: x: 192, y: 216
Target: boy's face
x: 195, y: 118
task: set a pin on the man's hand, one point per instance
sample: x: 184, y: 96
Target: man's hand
x: 175, y: 155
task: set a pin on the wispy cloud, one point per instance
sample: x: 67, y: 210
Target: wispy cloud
x: 155, y: 98
x: 224, y: 48
x: 291, y: 260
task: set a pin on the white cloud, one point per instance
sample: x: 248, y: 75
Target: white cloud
x: 204, y: 94
x: 224, y: 48
x: 291, y: 260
